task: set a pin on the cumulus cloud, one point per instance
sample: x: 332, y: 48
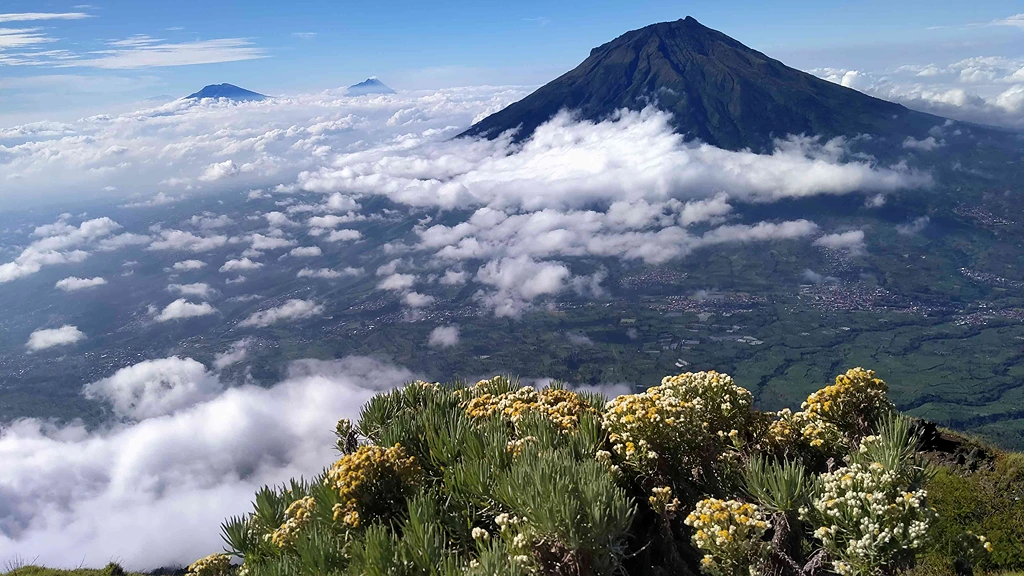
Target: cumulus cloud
x: 305, y: 252
x: 924, y: 145
x: 75, y: 496
x: 182, y: 308
x: 218, y: 171
x: 210, y: 221
x: 915, y: 227
x: 985, y: 89
x: 570, y: 164
x: 200, y: 289
x: 444, y: 337
x: 73, y: 283
x: 240, y: 264
x: 454, y: 277
x: 851, y: 242
x: 186, y: 265
x: 262, y: 242
x: 155, y: 387
x: 417, y: 300
x: 180, y: 240
x: 57, y: 243
x: 398, y: 282
x: 47, y: 338
x: 344, y: 235
x: 294, y: 309
x: 233, y: 355
x: 329, y: 273
x: 518, y: 281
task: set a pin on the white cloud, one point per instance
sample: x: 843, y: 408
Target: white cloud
x: 155, y: 387
x: 703, y: 210
x: 200, y: 289
x: 240, y: 264
x: 251, y: 145
x: 183, y: 241
x: 181, y: 308
x: 237, y: 353
x: 925, y: 145
x: 328, y: 273
x: 399, y: 282
x: 278, y: 219
x: 915, y: 227
x: 73, y: 283
x: 76, y: 496
x: 210, y: 221
x: 47, y: 338
x: 186, y: 265
x: 444, y: 337
x: 34, y: 16
x: 291, y: 310
x: 344, y: 235
x: 218, y: 171
x: 144, y: 52
x: 518, y: 281
x: 454, y: 277
x: 985, y: 89
x: 851, y: 242
x: 58, y: 243
x: 417, y: 300
x: 306, y: 252
x: 261, y: 242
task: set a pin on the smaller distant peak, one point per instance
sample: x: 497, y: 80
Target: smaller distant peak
x: 228, y: 91
x: 371, y: 85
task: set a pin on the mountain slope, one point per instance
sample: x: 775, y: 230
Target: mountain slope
x: 229, y: 91
x: 717, y: 89
x: 369, y: 86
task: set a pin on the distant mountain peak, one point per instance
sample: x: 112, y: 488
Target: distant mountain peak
x: 717, y: 89
x: 229, y: 91
x: 371, y: 85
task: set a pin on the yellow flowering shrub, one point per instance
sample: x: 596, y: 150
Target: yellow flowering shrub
x: 212, y: 565
x: 372, y: 482
x: 298, y: 514
x: 844, y: 410
x: 729, y: 533
x: 563, y: 407
x: 686, y: 423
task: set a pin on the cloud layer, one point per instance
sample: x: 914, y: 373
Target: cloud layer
x: 76, y: 497
x: 49, y: 337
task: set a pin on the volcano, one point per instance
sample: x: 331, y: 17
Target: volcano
x: 228, y: 91
x: 718, y: 91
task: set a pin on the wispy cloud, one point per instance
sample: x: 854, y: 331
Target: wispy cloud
x: 144, y: 52
x: 1017, y: 21
x: 35, y: 16
x: 22, y: 37
x: 304, y: 35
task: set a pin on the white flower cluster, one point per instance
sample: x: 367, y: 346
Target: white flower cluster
x: 869, y: 517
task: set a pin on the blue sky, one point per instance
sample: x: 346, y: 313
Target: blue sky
x: 116, y: 52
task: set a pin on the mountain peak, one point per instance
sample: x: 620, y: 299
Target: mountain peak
x: 371, y: 85
x: 229, y: 91
x: 718, y: 91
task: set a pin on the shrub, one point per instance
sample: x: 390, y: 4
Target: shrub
x: 496, y: 478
